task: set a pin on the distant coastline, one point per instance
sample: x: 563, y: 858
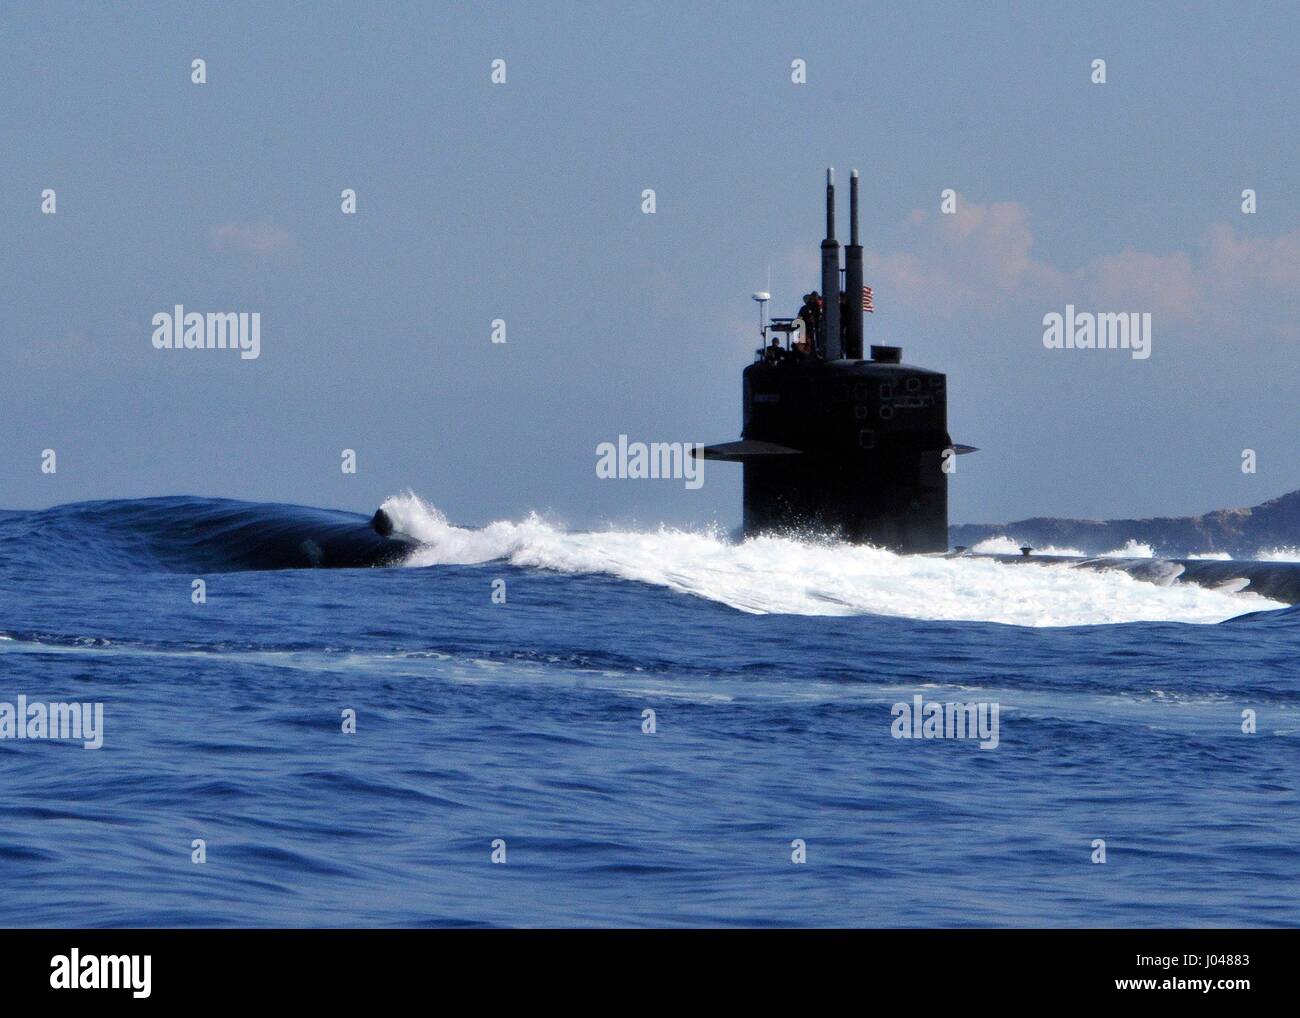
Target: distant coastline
x: 1241, y: 533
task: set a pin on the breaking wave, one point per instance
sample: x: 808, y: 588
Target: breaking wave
x: 1133, y: 549
x: 1279, y: 555
x: 1003, y: 545
x: 781, y: 575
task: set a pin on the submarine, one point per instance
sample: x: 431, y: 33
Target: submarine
x: 857, y: 449
x: 837, y: 445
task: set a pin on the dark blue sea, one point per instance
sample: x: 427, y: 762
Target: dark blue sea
x: 772, y: 669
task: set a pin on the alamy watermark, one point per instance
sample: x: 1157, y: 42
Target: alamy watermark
x: 75, y: 971
x: 24, y: 720
x: 1083, y: 330
x: 216, y: 330
x: 935, y: 720
x: 658, y: 460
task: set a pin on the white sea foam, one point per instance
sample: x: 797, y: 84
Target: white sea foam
x: 1279, y: 555
x: 1003, y: 545
x: 1133, y: 549
x: 772, y: 574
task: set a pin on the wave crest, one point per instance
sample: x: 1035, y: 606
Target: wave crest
x: 781, y: 575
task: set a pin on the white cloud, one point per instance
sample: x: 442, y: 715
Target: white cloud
x: 981, y: 257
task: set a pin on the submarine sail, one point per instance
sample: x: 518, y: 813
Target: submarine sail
x: 836, y: 445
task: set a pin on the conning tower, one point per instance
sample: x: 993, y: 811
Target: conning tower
x: 837, y: 445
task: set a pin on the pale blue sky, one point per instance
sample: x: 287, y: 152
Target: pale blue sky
x: 522, y: 201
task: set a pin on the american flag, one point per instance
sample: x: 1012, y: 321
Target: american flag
x: 867, y: 304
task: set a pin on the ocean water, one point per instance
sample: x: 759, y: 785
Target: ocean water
x: 772, y: 668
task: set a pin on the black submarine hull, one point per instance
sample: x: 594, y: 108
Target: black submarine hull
x: 1277, y: 581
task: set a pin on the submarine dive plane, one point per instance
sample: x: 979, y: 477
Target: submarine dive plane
x: 834, y: 444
